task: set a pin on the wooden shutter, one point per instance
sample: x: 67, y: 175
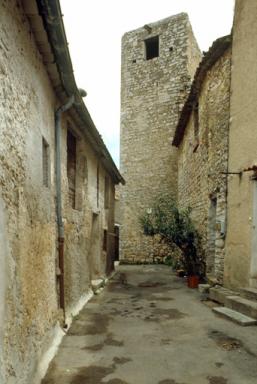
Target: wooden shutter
x: 71, y: 167
x: 45, y: 162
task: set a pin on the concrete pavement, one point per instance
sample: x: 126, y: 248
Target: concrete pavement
x: 147, y: 327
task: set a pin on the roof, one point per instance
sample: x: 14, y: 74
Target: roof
x: 215, y: 52
x: 46, y: 22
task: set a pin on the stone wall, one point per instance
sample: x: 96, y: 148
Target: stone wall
x: 27, y: 105
x: 85, y: 259
x: 29, y: 302
x: 152, y: 95
x: 203, y: 155
x: 241, y: 241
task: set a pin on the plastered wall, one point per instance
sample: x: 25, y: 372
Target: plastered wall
x: 242, y: 149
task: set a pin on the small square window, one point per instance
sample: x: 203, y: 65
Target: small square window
x: 152, y: 47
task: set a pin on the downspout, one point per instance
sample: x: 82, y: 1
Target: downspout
x: 58, y: 131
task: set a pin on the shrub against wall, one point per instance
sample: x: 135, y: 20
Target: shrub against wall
x: 175, y: 227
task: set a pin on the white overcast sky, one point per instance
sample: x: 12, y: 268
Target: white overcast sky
x: 94, y: 30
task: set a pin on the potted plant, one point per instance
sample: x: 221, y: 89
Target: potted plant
x: 175, y: 227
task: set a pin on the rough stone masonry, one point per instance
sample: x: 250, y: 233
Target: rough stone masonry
x: 158, y: 64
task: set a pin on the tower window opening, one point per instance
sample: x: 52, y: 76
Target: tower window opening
x: 152, y: 47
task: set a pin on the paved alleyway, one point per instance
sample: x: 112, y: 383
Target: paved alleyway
x: 147, y: 327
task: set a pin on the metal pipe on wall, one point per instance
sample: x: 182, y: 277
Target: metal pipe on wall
x: 58, y: 131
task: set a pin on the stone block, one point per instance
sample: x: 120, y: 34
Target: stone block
x: 240, y: 304
x: 219, y: 294
x: 204, y: 288
x: 234, y: 316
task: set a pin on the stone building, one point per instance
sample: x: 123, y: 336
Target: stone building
x: 46, y: 269
x: 202, y: 139
x: 241, y: 240
x: 158, y: 64
x: 215, y: 168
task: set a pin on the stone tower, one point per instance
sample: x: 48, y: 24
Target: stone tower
x: 158, y: 63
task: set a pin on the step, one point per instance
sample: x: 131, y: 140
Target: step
x: 240, y: 304
x: 97, y: 284
x: 219, y: 294
x: 204, y: 288
x: 234, y: 316
x: 249, y: 293
x: 211, y: 280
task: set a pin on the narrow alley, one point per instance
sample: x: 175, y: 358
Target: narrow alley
x: 147, y: 327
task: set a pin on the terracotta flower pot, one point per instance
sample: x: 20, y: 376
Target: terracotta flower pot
x: 192, y: 281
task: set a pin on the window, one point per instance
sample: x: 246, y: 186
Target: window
x: 81, y: 178
x: 196, y: 120
x: 97, y: 185
x: 105, y: 240
x: 196, y: 126
x: 71, y: 167
x: 106, y: 192
x: 45, y: 162
x: 152, y: 48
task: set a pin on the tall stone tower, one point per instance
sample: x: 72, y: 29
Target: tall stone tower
x: 158, y: 63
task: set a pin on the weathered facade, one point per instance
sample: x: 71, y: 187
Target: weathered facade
x: 36, y: 79
x: 202, y: 139
x: 241, y: 240
x: 158, y: 64
x: 214, y: 170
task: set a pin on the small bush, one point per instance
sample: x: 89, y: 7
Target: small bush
x: 174, y: 226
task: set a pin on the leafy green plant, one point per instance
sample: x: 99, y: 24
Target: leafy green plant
x: 168, y: 261
x: 174, y: 226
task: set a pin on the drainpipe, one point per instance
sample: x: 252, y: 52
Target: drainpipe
x: 58, y: 131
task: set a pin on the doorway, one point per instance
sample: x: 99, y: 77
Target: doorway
x: 117, y: 240
x: 211, y: 235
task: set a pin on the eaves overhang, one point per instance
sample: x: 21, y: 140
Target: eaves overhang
x: 46, y: 22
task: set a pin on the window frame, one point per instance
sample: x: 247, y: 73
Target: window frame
x: 150, y: 49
